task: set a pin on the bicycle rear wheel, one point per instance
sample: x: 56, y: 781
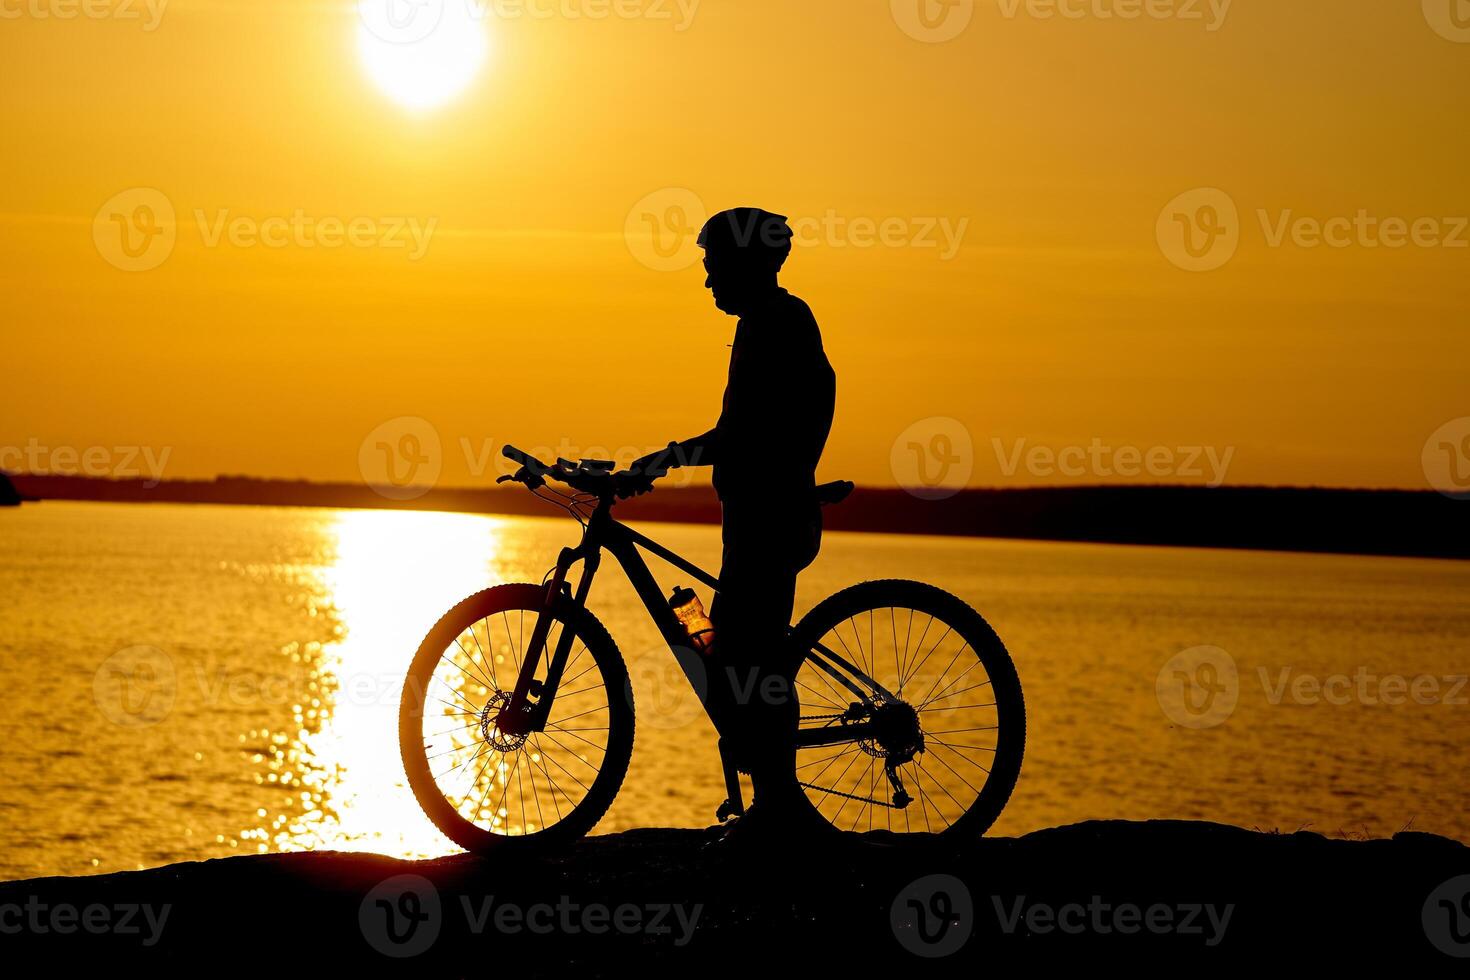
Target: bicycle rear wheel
x: 486, y: 789
x: 940, y: 700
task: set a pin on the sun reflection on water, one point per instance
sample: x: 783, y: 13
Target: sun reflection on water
x: 392, y: 576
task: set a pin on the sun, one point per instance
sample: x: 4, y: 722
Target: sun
x: 421, y: 53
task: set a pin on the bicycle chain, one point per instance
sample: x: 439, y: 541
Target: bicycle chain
x: 838, y: 792
x: 850, y: 796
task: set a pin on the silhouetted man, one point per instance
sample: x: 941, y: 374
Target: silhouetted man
x: 774, y: 423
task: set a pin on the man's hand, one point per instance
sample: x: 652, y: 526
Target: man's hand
x: 656, y: 464
x: 630, y: 484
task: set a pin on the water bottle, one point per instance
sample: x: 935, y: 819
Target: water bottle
x: 690, y: 611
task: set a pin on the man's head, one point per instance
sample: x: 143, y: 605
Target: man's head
x: 744, y: 249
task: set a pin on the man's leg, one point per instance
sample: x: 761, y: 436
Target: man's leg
x: 764, y: 552
x: 751, y: 614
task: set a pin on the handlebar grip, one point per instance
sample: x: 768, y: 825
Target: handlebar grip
x: 525, y: 459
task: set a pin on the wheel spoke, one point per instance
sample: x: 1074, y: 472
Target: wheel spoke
x: 496, y: 784
x: 963, y: 690
x: 946, y: 745
x: 934, y: 652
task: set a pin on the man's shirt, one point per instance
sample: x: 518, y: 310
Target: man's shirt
x: 778, y: 406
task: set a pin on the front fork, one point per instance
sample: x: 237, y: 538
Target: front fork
x: 530, y: 703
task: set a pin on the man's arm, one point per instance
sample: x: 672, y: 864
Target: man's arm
x: 701, y: 450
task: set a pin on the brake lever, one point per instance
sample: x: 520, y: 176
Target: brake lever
x: 523, y: 475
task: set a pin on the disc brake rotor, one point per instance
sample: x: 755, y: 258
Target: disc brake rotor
x: 490, y: 732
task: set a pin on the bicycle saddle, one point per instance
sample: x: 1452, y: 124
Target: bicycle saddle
x: 834, y: 493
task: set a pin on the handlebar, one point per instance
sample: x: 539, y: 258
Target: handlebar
x: 591, y: 476
x: 519, y: 456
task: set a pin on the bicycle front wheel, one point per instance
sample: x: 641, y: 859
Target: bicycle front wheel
x: 938, y: 702
x: 486, y: 789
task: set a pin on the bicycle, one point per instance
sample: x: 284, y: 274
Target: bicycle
x: 506, y: 746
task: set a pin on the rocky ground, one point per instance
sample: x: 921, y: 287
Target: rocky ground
x: 1169, y: 894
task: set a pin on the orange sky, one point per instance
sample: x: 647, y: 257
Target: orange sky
x: 1037, y: 154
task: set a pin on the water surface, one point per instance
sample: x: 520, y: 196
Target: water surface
x: 186, y: 682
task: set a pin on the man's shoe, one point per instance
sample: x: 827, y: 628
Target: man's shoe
x: 766, y: 826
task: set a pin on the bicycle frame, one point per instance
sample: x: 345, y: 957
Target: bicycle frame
x: 531, y: 702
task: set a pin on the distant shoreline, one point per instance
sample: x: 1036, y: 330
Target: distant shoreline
x: 1402, y: 523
